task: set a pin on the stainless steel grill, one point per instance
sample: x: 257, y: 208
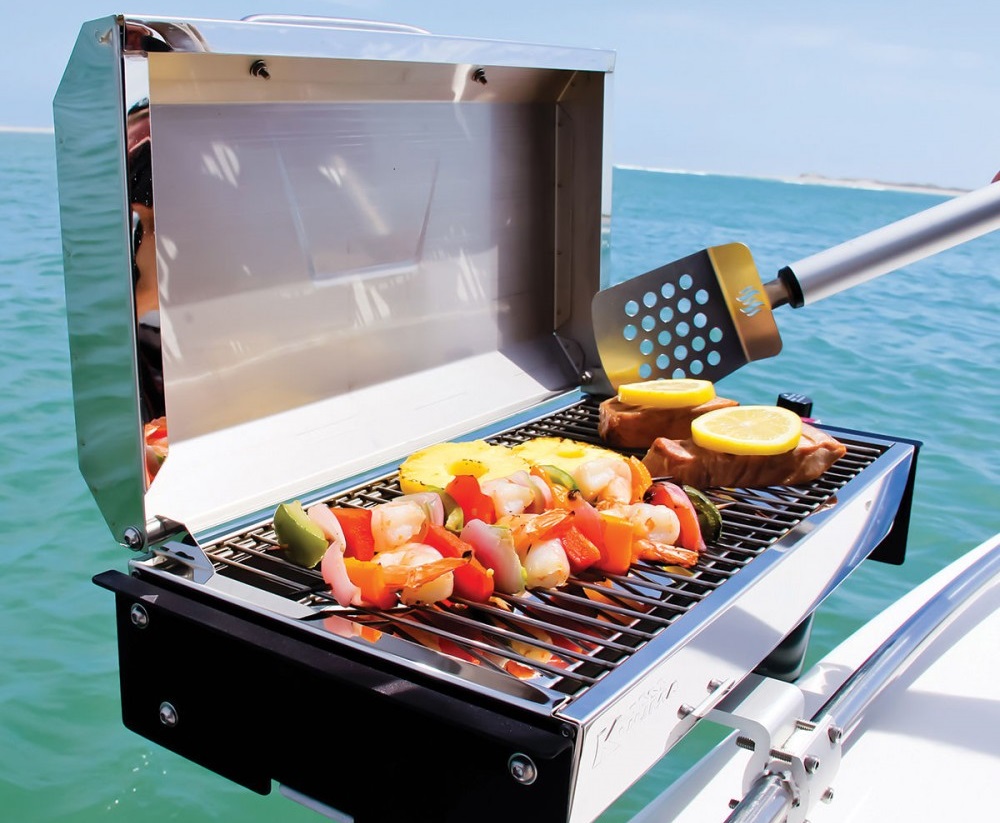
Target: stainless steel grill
x: 368, y: 241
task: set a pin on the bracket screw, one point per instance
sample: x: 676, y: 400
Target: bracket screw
x: 835, y: 733
x: 811, y: 763
x: 258, y: 68
x: 139, y: 616
x: 168, y: 714
x: 479, y: 75
x: 522, y: 769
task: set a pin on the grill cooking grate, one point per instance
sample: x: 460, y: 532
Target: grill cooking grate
x: 562, y: 639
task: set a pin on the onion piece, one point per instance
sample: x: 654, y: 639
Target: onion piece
x: 493, y: 546
x: 543, y: 495
x: 587, y: 518
x: 321, y: 515
x: 334, y: 572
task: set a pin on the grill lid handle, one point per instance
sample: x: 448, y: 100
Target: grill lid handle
x: 333, y: 23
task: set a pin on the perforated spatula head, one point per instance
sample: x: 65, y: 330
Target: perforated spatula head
x: 701, y: 316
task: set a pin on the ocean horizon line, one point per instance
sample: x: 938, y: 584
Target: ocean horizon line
x: 27, y: 129
x: 810, y: 178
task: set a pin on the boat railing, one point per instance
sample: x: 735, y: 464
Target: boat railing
x: 776, y: 796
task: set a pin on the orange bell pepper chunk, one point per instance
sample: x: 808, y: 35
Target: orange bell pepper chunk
x: 641, y: 478
x: 560, y: 494
x: 370, y: 577
x: 616, y: 553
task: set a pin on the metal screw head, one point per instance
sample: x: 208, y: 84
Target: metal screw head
x: 258, y: 68
x: 479, y: 75
x: 139, y: 616
x: 522, y: 769
x: 835, y: 733
x: 132, y: 537
x: 811, y: 763
x: 684, y: 710
x: 168, y: 714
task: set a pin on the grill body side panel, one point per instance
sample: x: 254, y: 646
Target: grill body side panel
x: 254, y: 705
x: 643, y: 708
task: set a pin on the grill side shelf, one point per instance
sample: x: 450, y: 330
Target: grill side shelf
x: 256, y: 705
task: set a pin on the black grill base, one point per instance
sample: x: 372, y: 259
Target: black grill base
x: 255, y: 705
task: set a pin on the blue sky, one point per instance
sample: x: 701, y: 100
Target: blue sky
x: 892, y: 91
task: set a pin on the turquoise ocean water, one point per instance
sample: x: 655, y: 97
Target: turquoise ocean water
x: 914, y: 353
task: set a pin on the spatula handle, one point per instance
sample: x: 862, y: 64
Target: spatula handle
x: 890, y: 248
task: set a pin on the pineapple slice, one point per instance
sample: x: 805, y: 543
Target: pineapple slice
x: 561, y: 452
x: 431, y: 469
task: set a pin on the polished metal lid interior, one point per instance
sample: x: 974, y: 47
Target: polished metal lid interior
x: 332, y: 244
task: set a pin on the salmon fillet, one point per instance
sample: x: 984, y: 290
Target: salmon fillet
x: 636, y: 427
x: 687, y: 463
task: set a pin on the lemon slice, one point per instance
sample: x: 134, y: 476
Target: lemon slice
x: 674, y: 393
x: 748, y: 430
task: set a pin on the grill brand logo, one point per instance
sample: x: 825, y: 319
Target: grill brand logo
x: 751, y: 301
x: 634, y: 715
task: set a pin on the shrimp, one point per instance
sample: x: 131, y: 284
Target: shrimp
x: 546, y: 565
x: 397, y: 522
x: 660, y: 523
x: 509, y: 496
x: 414, y: 558
x: 663, y: 553
x: 606, y: 480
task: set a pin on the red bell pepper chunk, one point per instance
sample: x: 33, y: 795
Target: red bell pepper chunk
x: 357, y: 527
x: 581, y: 552
x: 473, y: 581
x: 586, y: 518
x: 662, y: 493
x: 465, y: 490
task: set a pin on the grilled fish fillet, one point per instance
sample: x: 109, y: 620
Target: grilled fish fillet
x: 636, y: 427
x: 687, y: 463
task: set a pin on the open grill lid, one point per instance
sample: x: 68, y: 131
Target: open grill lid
x: 366, y: 240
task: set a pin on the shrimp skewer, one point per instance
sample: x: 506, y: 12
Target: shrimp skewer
x: 605, y: 480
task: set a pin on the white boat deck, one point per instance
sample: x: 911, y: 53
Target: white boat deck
x: 927, y: 748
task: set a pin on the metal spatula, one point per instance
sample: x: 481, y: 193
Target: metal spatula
x: 707, y: 314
